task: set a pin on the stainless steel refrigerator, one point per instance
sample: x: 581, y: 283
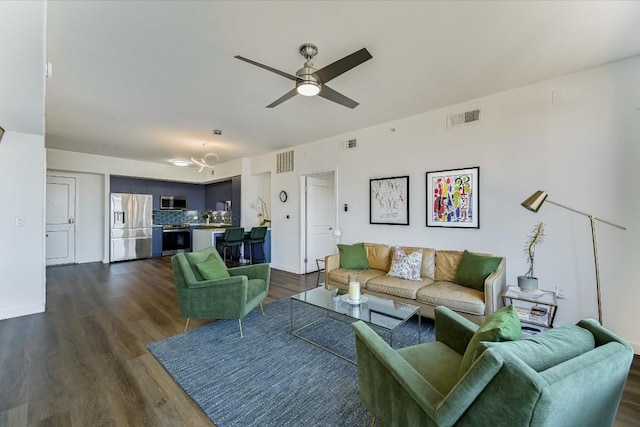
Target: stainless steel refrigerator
x: 131, y: 226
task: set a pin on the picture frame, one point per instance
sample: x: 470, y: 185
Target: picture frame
x: 453, y: 197
x: 1, y: 133
x: 389, y: 200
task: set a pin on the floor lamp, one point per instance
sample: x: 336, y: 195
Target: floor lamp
x: 534, y: 203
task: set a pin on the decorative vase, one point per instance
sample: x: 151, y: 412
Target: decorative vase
x: 528, y: 284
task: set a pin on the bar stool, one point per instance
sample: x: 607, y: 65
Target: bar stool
x: 232, y: 239
x: 256, y: 235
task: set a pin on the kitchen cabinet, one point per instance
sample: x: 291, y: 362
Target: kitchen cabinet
x: 193, y: 192
x: 236, y: 202
x: 156, y: 245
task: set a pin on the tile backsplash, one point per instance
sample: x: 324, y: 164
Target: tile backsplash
x: 190, y: 217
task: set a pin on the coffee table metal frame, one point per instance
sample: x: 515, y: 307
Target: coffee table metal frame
x: 384, y: 314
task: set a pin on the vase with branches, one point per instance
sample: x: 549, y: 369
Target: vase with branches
x: 528, y: 282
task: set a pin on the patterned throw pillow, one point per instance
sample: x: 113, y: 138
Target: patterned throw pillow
x: 406, y: 266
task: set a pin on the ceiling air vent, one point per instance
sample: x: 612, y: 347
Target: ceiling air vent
x: 284, y: 162
x: 454, y: 120
x: 352, y: 143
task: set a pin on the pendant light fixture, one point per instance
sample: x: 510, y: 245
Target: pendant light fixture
x: 202, y: 162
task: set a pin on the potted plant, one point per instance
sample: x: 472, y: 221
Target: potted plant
x: 528, y: 282
x: 262, y: 215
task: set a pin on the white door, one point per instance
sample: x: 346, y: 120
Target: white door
x: 61, y: 227
x: 320, y: 220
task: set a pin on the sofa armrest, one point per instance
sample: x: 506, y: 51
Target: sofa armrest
x: 331, y: 262
x: 494, y: 287
x: 453, y: 330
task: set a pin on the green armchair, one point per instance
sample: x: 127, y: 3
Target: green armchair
x: 226, y: 298
x: 568, y: 376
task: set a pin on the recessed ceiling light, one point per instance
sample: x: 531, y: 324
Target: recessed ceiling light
x: 180, y: 163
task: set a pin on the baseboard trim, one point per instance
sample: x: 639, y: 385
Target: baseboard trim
x: 285, y: 268
x: 22, y: 311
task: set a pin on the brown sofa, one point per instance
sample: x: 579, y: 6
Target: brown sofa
x: 436, y: 288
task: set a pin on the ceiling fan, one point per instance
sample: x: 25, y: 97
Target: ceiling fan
x: 310, y: 82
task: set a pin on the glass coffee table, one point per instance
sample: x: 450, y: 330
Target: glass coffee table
x: 384, y: 314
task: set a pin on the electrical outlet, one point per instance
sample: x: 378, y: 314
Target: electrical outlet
x: 560, y: 292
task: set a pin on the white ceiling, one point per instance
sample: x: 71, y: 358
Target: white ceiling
x: 151, y: 80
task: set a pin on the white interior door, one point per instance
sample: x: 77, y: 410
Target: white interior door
x: 319, y: 220
x: 61, y: 227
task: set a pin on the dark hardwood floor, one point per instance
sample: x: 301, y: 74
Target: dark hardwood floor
x: 84, y: 361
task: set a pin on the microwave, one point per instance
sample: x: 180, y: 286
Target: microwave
x: 175, y: 203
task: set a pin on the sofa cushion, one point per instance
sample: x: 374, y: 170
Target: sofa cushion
x: 548, y: 348
x: 474, y: 269
x: 447, y: 263
x: 406, y: 266
x: 396, y: 287
x: 341, y: 276
x: 212, y: 268
x: 502, y: 325
x: 435, y: 362
x: 353, y: 256
x: 456, y: 297
x: 428, y: 267
x: 378, y: 256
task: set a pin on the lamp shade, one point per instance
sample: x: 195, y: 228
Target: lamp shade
x: 535, y: 201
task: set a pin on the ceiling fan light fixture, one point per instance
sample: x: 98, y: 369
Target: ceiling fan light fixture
x: 308, y: 88
x: 181, y: 163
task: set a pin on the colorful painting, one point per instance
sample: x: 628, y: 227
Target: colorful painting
x: 452, y: 198
x: 389, y: 200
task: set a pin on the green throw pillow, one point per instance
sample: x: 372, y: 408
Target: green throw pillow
x: 212, y: 268
x: 474, y: 269
x: 353, y: 257
x: 502, y: 325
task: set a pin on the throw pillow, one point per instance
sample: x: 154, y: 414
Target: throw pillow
x: 406, y: 266
x: 353, y: 257
x: 212, y: 268
x: 474, y: 269
x: 502, y: 325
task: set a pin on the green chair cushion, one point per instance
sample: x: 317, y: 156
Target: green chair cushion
x: 212, y: 268
x: 474, y: 269
x: 435, y: 362
x: 550, y: 348
x: 255, y: 287
x: 353, y: 257
x: 502, y: 325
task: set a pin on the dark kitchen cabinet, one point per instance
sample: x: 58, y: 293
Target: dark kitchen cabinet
x: 193, y: 192
x: 236, y: 205
x: 156, y: 243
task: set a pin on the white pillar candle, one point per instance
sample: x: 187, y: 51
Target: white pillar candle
x: 354, y: 291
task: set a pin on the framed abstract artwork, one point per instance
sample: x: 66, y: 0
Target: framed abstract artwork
x: 389, y: 200
x: 453, y: 198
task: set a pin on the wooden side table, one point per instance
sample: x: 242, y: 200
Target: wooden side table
x: 536, y: 311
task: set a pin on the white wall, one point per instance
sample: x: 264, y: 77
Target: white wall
x: 582, y: 149
x: 22, y: 158
x: 22, y: 271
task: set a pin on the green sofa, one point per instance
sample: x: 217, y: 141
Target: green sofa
x: 569, y: 376
x: 226, y: 298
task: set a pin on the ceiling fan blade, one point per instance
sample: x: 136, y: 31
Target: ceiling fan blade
x: 327, y: 93
x: 343, y: 65
x: 288, y: 95
x: 266, y: 67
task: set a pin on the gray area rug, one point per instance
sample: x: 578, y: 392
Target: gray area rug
x: 270, y: 377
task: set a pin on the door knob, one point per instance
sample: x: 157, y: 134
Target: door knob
x: 71, y: 220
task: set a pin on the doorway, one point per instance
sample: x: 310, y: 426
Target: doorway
x: 61, y: 218
x: 319, y: 219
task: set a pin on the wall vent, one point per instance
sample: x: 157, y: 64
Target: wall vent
x: 284, y: 162
x: 454, y: 120
x: 352, y: 143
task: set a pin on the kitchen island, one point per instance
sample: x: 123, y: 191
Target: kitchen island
x: 209, y: 236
